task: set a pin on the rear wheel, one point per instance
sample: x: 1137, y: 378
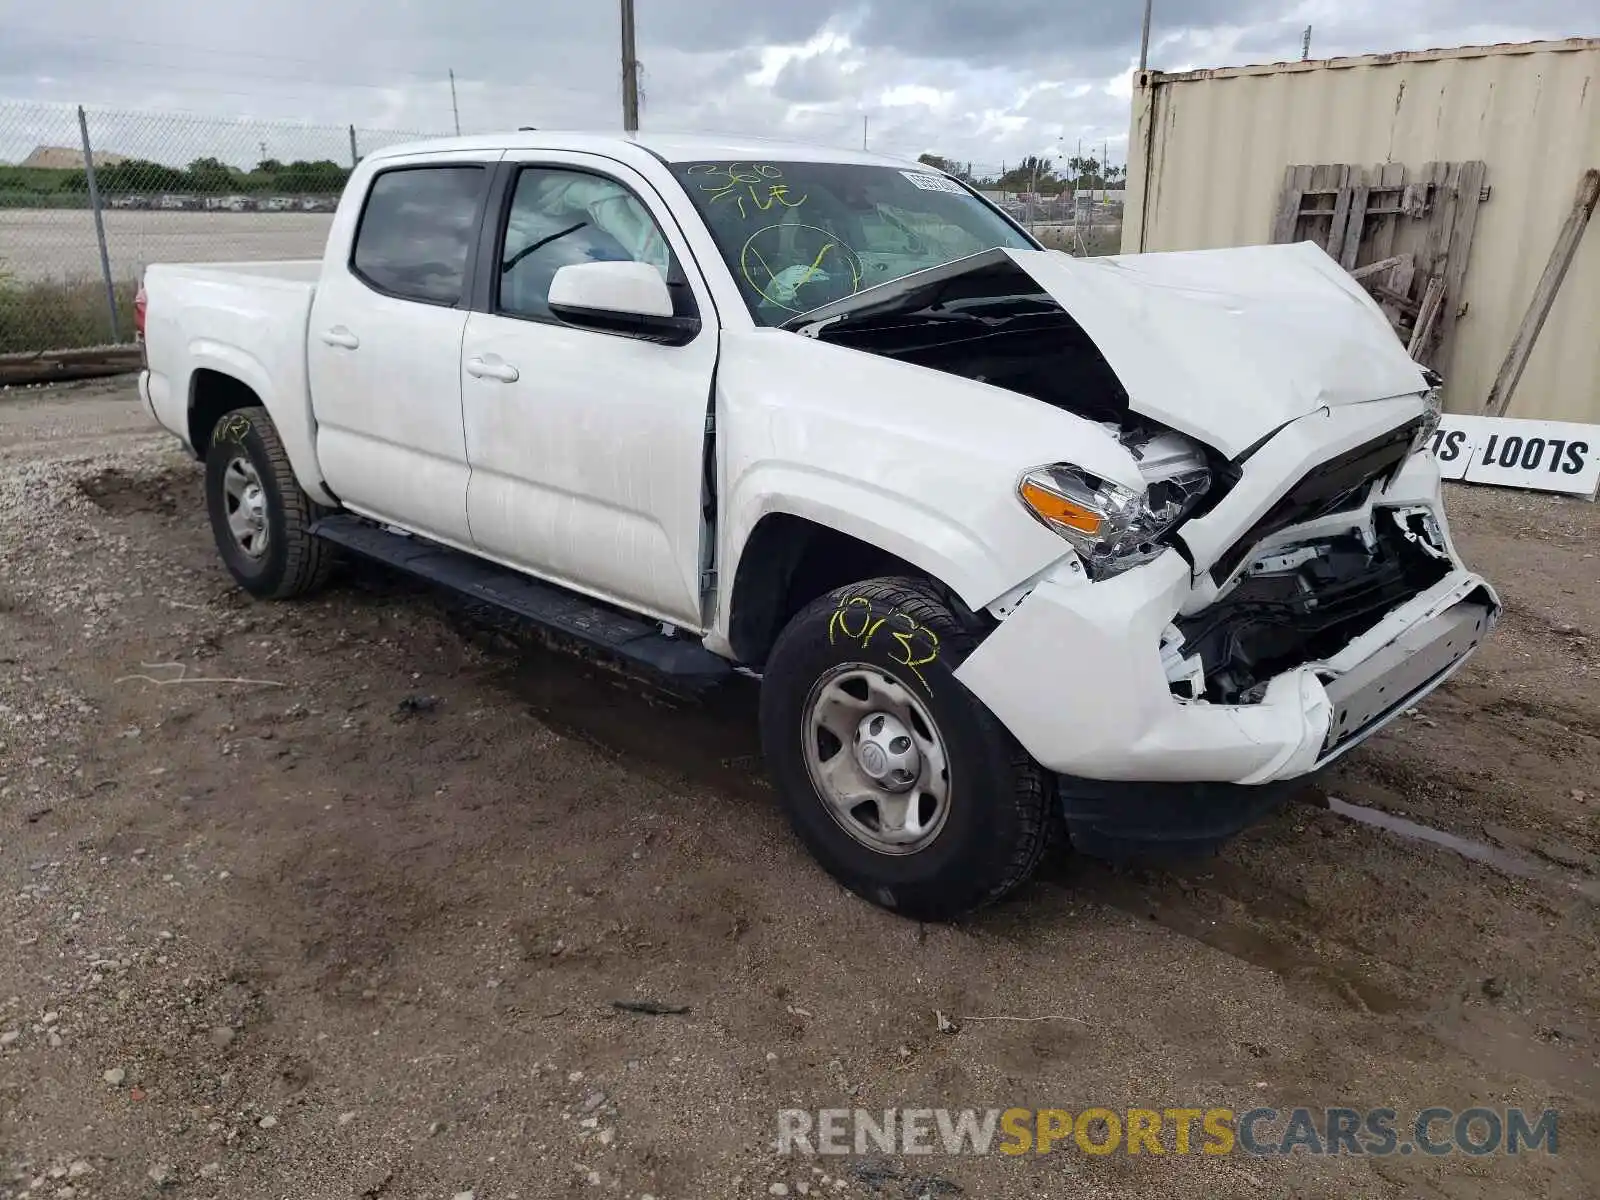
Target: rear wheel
x: 904, y: 786
x: 260, y: 516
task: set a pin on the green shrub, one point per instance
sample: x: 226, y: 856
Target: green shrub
x: 60, y: 316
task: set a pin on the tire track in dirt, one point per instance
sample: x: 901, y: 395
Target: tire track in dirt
x: 428, y: 910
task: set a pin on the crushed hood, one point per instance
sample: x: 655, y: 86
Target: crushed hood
x: 1227, y: 346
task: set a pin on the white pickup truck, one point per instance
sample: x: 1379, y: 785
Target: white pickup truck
x: 1012, y: 539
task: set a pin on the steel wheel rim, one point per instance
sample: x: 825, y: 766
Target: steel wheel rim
x: 858, y: 768
x: 245, y: 501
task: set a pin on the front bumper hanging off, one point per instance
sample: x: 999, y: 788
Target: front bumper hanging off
x: 1075, y: 674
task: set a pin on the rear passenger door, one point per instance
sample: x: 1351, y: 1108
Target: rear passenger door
x: 384, y: 347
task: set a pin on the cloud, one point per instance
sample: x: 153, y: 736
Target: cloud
x: 980, y: 80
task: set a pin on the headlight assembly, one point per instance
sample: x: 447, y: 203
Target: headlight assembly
x: 1112, y: 528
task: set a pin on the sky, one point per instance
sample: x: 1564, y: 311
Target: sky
x: 985, y: 81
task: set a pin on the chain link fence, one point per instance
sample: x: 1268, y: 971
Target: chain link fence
x: 173, y: 187
x: 89, y: 197
x: 1081, y: 215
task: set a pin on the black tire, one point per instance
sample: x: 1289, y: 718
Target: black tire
x: 292, y: 562
x: 997, y: 820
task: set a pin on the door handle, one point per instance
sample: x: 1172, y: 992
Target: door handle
x: 340, y: 336
x: 492, y: 368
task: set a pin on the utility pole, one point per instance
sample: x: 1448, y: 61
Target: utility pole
x: 100, y: 225
x: 630, y: 72
x: 1144, y: 38
x: 454, y: 107
x: 1305, y: 45
x: 863, y: 131
x: 263, y: 157
x: 1033, y: 187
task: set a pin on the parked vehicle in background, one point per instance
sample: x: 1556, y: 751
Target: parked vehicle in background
x: 1010, y: 538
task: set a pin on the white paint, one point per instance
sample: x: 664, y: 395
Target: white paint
x: 1278, y: 465
x: 587, y: 469
x: 247, y: 321
x: 1546, y: 456
x: 922, y: 464
x: 579, y: 457
x: 621, y: 287
x: 1230, y: 345
x: 1128, y: 725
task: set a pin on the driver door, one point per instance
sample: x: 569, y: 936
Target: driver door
x: 587, y: 448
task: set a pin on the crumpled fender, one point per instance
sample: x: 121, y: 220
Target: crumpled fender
x: 917, y: 462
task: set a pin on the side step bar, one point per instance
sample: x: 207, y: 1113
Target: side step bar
x: 634, y: 640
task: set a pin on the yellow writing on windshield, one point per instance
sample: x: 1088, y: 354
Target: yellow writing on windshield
x: 807, y: 256
x: 735, y: 183
x: 815, y: 264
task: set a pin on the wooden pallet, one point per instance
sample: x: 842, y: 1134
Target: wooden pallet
x: 1407, y: 236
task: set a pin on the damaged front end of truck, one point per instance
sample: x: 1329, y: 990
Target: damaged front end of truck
x: 1275, y: 583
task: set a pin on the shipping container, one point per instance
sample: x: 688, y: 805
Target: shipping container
x: 1209, y: 152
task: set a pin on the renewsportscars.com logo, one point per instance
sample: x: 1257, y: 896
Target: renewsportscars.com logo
x: 1262, y: 1132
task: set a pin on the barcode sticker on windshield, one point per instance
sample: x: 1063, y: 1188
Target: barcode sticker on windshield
x: 933, y: 183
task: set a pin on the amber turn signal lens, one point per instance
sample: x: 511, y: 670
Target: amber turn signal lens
x: 1058, y: 509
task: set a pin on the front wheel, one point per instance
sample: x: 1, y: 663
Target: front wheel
x: 904, y: 786
x: 260, y: 516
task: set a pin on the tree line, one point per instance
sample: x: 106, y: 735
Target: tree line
x: 1037, y: 173
x: 212, y: 176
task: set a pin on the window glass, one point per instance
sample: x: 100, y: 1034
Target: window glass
x: 559, y: 217
x: 797, y: 235
x: 417, y: 231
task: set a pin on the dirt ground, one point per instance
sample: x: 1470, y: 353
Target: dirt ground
x: 350, y: 921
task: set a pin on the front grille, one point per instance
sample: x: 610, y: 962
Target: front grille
x: 1338, y: 485
x: 1277, y: 620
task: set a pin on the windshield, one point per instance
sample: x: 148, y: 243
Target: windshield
x: 797, y: 235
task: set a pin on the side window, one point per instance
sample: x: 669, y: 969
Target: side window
x: 560, y: 217
x: 417, y: 230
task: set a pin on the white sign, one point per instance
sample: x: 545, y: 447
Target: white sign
x: 1548, y: 456
x: 933, y: 183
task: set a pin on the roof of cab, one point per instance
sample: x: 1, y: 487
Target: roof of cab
x: 672, y: 147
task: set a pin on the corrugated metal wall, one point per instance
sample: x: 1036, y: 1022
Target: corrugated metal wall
x: 1209, y: 148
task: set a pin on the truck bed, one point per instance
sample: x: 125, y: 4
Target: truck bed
x: 289, y: 270
x: 244, y: 320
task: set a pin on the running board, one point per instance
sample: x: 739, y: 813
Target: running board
x: 634, y: 640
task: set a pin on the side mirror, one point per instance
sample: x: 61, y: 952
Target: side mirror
x: 629, y: 298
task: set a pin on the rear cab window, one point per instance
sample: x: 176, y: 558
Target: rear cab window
x: 417, y: 231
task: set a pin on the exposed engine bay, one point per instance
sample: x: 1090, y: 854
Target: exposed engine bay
x: 994, y: 324
x: 1302, y: 602
x: 990, y: 321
